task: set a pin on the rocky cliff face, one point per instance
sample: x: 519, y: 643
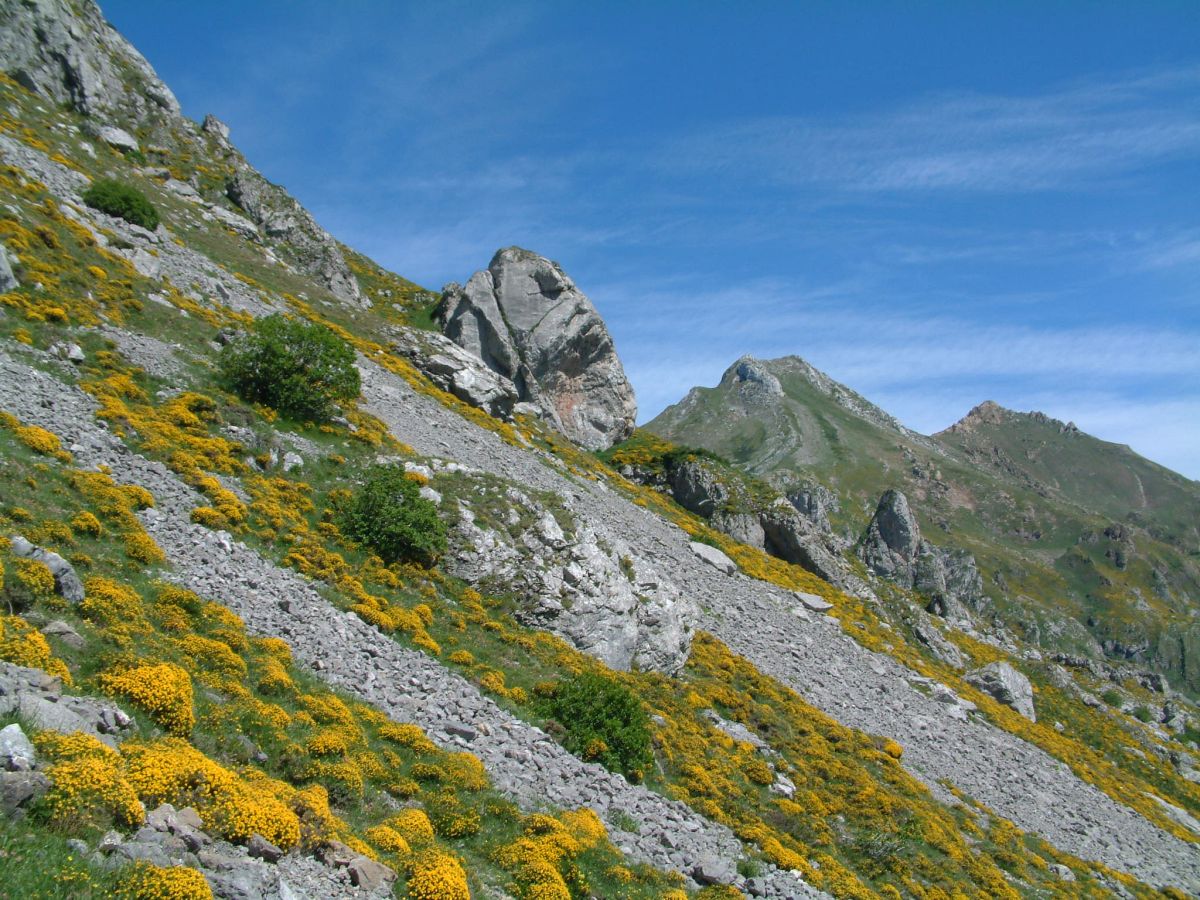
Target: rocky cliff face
x: 529, y: 322
x: 67, y: 52
x: 893, y: 548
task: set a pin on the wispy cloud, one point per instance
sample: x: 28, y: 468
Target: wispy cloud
x: 975, y: 142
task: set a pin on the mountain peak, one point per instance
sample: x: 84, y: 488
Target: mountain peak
x: 989, y: 412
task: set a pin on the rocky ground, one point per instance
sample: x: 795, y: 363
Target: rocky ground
x: 811, y: 655
x: 412, y: 687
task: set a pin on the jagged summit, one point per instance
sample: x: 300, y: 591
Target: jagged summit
x: 989, y: 412
x: 528, y: 322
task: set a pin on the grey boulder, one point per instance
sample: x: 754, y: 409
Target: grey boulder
x: 1006, y: 685
x: 66, y: 582
x: 8, y: 281
x: 457, y: 371
x: 529, y: 322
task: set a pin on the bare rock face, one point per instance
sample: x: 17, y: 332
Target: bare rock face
x: 67, y: 52
x: 455, y: 370
x: 598, y: 595
x: 529, y: 322
x: 291, y: 228
x: 1007, y: 685
x: 893, y: 548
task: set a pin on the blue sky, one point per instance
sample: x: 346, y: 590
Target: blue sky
x: 935, y: 203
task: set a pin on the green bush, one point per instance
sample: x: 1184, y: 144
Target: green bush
x: 299, y: 368
x: 604, y: 722
x: 123, y: 201
x: 1143, y: 714
x: 389, y: 515
x: 1112, y: 697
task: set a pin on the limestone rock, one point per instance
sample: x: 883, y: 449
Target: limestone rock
x: 595, y: 593
x: 893, y: 548
x: 16, y: 750
x: 1007, y: 685
x: 457, y: 371
x: 118, y: 138
x: 370, y: 875
x: 753, y: 381
x: 8, y: 281
x: 529, y: 322
x: 714, y: 557
x: 20, y: 789
x: 292, y: 229
x: 66, y: 51
x: 66, y: 582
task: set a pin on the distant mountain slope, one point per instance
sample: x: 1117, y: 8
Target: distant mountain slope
x: 1085, y: 547
x: 1106, y: 478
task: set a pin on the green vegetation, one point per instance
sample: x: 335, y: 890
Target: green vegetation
x: 389, y: 515
x: 122, y: 200
x: 298, y: 368
x: 1112, y: 697
x: 604, y: 722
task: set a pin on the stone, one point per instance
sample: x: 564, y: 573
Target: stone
x: 1005, y: 684
x: 118, y: 138
x: 812, y: 602
x: 336, y: 855
x: 714, y: 870
x: 1062, y: 872
x: 462, y: 729
x: 892, y: 547
x: 8, y: 281
x: 109, y: 842
x: 66, y: 582
x: 713, y: 557
x: 67, y: 52
x: 260, y: 848
x: 16, y: 750
x: 529, y: 322
x: 215, y: 128
x: 71, y: 352
x: 370, y: 875
x: 292, y: 461
x: 19, y: 789
x: 65, y: 633
x: 458, y: 371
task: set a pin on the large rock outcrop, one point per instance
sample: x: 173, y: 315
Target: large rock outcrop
x: 1007, y: 685
x: 456, y: 371
x: 754, y: 514
x: 597, y: 594
x: 292, y: 229
x: 893, y: 548
x: 528, y: 321
x: 66, y: 51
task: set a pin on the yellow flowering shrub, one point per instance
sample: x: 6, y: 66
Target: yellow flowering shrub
x: 86, y: 523
x: 388, y: 840
x: 23, y: 645
x: 172, y: 771
x: 36, y: 578
x: 435, y: 875
x: 208, y: 517
x: 413, y: 825
x: 141, y: 547
x: 90, y: 787
x: 108, y: 602
x: 38, y: 439
x: 145, y: 881
x: 213, y: 656
x: 164, y: 691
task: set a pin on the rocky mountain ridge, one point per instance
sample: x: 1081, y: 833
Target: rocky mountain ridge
x: 1041, y: 529
x: 374, y: 729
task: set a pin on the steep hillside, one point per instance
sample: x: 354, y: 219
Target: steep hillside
x: 304, y: 598
x: 1085, y: 548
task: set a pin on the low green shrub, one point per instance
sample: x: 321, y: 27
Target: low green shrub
x: 299, y: 368
x: 1112, y: 697
x: 389, y: 515
x: 604, y: 722
x: 123, y: 201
